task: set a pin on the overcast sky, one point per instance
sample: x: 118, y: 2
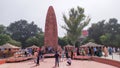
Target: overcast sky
x: 36, y: 10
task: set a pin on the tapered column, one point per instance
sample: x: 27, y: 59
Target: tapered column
x: 51, y: 33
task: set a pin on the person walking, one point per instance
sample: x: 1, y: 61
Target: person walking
x: 105, y: 50
x: 62, y: 55
x: 56, y: 59
x: 38, y: 58
x: 35, y: 56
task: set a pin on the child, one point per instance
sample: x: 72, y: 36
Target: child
x: 69, y: 60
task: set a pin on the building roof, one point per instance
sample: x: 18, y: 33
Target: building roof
x: 69, y: 45
x: 8, y: 45
x: 84, y: 32
x: 91, y: 44
x: 33, y: 46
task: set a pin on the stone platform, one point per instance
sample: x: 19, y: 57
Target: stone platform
x: 82, y: 57
x: 49, y: 63
x: 2, y: 61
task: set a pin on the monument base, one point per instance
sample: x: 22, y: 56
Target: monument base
x: 50, y: 49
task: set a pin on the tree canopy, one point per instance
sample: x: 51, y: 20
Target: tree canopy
x: 22, y: 30
x: 7, y: 39
x: 107, y: 33
x: 37, y: 40
x: 2, y: 29
x: 75, y: 23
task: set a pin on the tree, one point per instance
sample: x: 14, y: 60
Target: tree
x: 105, y: 32
x: 32, y: 41
x: 75, y: 23
x: 37, y: 40
x: 2, y: 29
x: 13, y: 42
x: 40, y: 37
x: 21, y: 30
x: 112, y: 27
x: 96, y: 30
x: 117, y: 40
x: 4, y: 39
x: 103, y: 39
x: 7, y: 39
x: 62, y: 41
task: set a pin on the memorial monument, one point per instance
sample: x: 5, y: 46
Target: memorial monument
x: 51, y: 32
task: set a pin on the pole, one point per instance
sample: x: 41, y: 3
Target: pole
x: 119, y: 53
x: 112, y: 55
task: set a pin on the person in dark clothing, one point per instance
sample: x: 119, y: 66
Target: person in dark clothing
x: 66, y: 53
x: 25, y: 54
x: 40, y: 54
x: 38, y: 58
x: 71, y: 55
x: 90, y: 51
x: 100, y: 52
x: 56, y: 59
x: 78, y: 51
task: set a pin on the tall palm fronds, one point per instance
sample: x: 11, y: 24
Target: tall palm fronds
x: 75, y: 23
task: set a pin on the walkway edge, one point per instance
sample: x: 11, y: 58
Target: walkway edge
x: 107, y: 61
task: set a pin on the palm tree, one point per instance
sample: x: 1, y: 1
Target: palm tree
x: 75, y: 23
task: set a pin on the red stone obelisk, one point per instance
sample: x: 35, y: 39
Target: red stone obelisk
x: 51, y: 33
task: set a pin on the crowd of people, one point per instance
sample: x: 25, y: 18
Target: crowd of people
x: 6, y: 53
x: 58, y: 55
x: 68, y: 53
x: 97, y: 51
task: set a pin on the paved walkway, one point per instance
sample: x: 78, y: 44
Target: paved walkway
x: 113, y: 57
x: 49, y: 63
